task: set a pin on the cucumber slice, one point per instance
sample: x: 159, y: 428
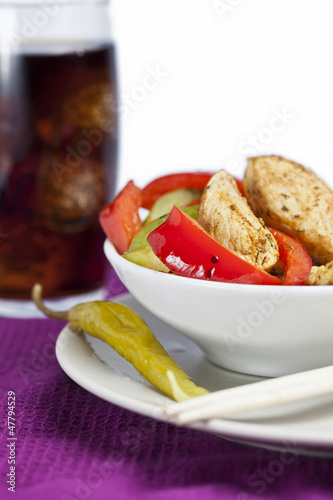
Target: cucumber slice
x: 140, y: 251
x: 180, y: 198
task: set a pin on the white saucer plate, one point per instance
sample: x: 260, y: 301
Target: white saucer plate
x: 300, y: 428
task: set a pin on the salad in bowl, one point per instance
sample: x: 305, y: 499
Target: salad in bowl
x: 240, y: 266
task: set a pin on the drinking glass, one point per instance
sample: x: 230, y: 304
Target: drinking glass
x: 58, y: 144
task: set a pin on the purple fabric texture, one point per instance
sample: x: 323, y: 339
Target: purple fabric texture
x: 72, y: 445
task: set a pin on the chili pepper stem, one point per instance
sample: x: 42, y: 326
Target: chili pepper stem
x: 36, y: 295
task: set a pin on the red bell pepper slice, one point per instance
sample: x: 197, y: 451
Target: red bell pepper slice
x: 120, y: 219
x: 295, y: 258
x: 187, y: 250
x: 171, y: 182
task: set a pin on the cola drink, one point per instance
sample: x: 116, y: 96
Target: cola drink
x: 58, y: 164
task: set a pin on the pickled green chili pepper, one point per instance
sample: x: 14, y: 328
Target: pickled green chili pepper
x: 126, y: 332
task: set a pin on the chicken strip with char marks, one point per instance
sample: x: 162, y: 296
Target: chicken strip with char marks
x: 293, y: 199
x: 225, y: 214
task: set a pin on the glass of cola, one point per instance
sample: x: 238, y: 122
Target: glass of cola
x: 58, y: 144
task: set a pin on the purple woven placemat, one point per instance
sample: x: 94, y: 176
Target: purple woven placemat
x: 71, y: 445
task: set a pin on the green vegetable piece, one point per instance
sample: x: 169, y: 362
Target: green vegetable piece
x: 179, y: 197
x: 145, y: 257
x: 125, y: 331
x: 140, y: 251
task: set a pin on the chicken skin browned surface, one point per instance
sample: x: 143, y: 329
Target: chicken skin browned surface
x: 225, y: 214
x: 290, y: 197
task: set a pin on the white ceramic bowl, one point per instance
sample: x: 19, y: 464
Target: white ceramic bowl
x: 254, y: 329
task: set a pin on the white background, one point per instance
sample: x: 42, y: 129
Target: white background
x: 229, y: 67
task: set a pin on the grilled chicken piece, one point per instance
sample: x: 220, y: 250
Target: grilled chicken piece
x: 321, y: 275
x: 292, y: 198
x: 225, y: 214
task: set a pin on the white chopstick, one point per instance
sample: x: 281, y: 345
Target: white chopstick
x: 250, y: 397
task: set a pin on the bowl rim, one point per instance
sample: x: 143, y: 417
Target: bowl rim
x: 118, y: 260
